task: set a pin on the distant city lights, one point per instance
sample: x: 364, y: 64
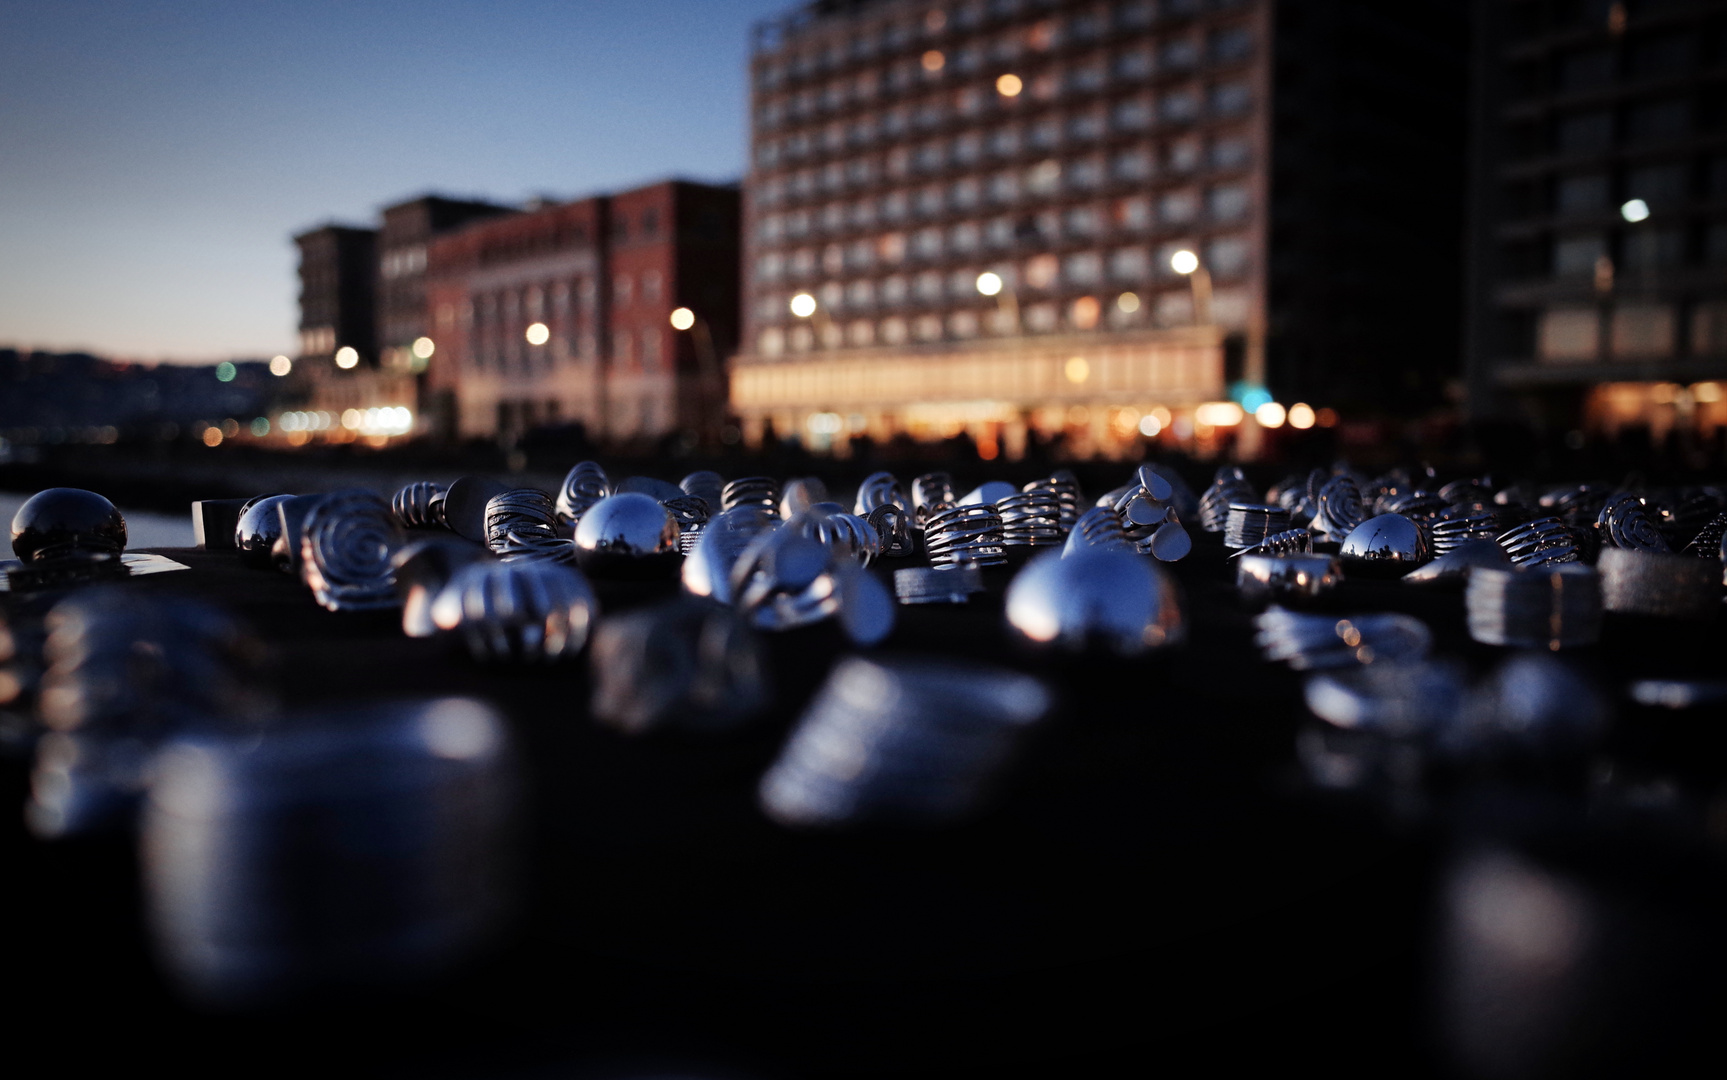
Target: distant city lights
x: 1219, y: 414
x: 1009, y: 85
x: 1184, y: 262
x: 538, y: 333
x: 934, y: 61
x: 803, y: 305
x: 1635, y: 210
x: 424, y: 347
x: 212, y: 436
x: 1301, y: 416
x: 347, y: 357
x: 989, y: 283
x: 280, y: 366
x: 1077, y: 369
x: 1150, y: 426
x: 225, y: 372
x: 826, y: 423
x: 1270, y: 415
x: 683, y: 318
x: 1127, y: 303
x: 261, y: 426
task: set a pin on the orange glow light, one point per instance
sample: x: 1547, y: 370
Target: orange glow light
x: 1009, y: 85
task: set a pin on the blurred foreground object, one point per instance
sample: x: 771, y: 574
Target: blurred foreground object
x: 688, y: 664
x: 347, y: 542
x: 363, y: 848
x: 1095, y: 597
x: 901, y: 740
x: 534, y: 611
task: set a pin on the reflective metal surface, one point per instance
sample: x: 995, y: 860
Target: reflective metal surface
x: 1315, y: 642
x: 522, y: 524
x: 361, y: 848
x: 1095, y: 598
x: 927, y: 585
x: 688, y: 664
x: 987, y: 494
x: 880, y: 489
x: 1389, y: 543
x: 627, y: 534
x: 707, y: 486
x: 969, y: 533
x: 584, y: 485
x: 1652, y: 583
x: 1229, y: 485
x: 423, y: 567
x: 900, y: 740
x: 1546, y: 541
x: 708, y: 570
x: 527, y: 612
x: 419, y: 505
x: 1541, y: 607
x: 761, y: 491
x: 258, y: 529
x: 1286, y: 579
x: 67, y: 523
x: 1337, y: 510
x: 346, y: 545
x: 465, y: 505
x: 1456, y: 563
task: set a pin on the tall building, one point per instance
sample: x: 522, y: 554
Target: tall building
x: 407, y: 228
x: 1022, y: 218
x: 563, y: 315
x: 338, y: 306
x: 1598, y: 298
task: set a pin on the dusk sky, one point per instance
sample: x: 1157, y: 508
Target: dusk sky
x: 156, y: 158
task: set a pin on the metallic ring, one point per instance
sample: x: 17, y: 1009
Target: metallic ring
x: 1337, y: 510
x: 419, y: 505
x: 1652, y: 583
x: 1031, y: 518
x: 1541, y: 607
x: 762, y: 491
x: 1624, y: 523
x: 931, y: 492
x: 1312, y: 642
x: 346, y: 545
x: 529, y: 612
x: 1247, y: 524
x: 927, y: 585
x: 707, y: 486
x: 839, y: 532
x: 900, y: 740
x: 879, y: 489
x: 1545, y: 541
x: 1098, y: 527
x: 1229, y: 485
x: 583, y: 486
x: 1286, y: 578
x: 893, y: 527
x: 1095, y: 596
x: 964, y: 534
x: 708, y: 569
x: 520, y: 521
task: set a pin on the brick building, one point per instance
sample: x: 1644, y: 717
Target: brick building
x: 1599, y: 234
x: 562, y: 315
x: 1307, y: 153
x: 407, y: 227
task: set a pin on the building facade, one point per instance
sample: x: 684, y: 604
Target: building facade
x: 407, y: 227
x: 563, y: 315
x: 909, y: 155
x: 1599, y: 195
x: 338, y: 302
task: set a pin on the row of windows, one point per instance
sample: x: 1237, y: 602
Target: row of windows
x: 1134, y: 164
x: 1229, y: 307
x: 1654, y: 56
x: 1185, y: 105
x: 866, y: 43
x: 1094, y: 73
x: 1225, y: 256
x: 1638, y: 330
x: 1224, y: 203
x: 1639, y: 250
x: 553, y: 299
x: 403, y: 262
x: 1594, y: 131
x: 1663, y: 186
x: 631, y: 349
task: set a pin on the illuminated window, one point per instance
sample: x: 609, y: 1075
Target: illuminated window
x: 1231, y: 152
x: 1044, y: 178
x: 1178, y: 207
x: 930, y: 201
x: 1082, y: 221
x: 1083, y: 268
x: 1131, y: 114
x: 965, y: 237
x: 1227, y: 202
x: 1226, y: 256
x: 893, y: 291
x: 966, y: 194
x: 1178, y: 54
x: 1132, y: 165
x: 928, y: 286
x: 1004, y: 187
x: 1568, y: 334
x: 928, y: 327
x: 861, y: 294
x: 1045, y: 134
x: 1129, y: 264
x: 1085, y: 126
x: 1085, y: 174
x: 1133, y: 214
x: 1231, y: 99
x: 1004, y: 141
x: 1179, y: 106
x: 1642, y: 330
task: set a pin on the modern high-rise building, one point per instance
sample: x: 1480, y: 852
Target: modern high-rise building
x: 564, y: 315
x: 1598, y: 298
x: 1097, y: 220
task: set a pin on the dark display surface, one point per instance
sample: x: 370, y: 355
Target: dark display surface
x: 1156, y: 881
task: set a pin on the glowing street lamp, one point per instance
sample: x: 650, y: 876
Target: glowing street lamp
x: 424, y: 347
x: 280, y: 366
x: 990, y: 283
x: 1635, y: 210
x: 1186, y: 263
x: 803, y: 305
x: 538, y: 333
x: 347, y: 358
x: 683, y: 318
x: 1009, y: 85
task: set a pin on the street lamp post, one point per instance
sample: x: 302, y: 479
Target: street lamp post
x: 1186, y: 263
x: 804, y: 306
x: 685, y: 320
x: 990, y: 283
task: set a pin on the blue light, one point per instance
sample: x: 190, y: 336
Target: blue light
x: 1250, y: 398
x: 225, y: 372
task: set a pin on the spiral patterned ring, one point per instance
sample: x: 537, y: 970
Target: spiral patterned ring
x: 346, y: 545
x: 419, y: 505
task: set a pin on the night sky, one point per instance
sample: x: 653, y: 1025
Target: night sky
x: 156, y: 158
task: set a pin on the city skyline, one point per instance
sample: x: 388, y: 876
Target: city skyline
x: 160, y: 157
